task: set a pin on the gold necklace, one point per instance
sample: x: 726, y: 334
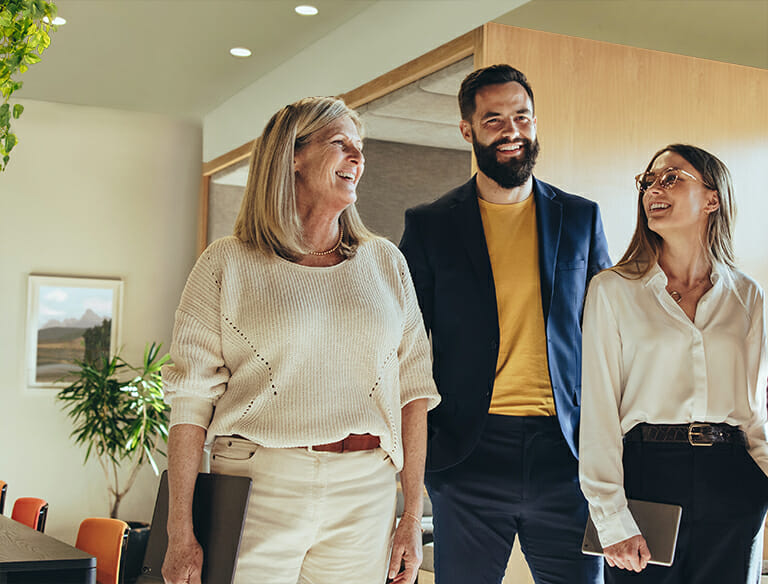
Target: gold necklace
x: 677, y: 297
x: 333, y: 249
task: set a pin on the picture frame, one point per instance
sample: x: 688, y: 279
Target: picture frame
x: 69, y: 318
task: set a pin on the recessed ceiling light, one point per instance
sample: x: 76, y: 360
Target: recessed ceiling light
x: 306, y: 10
x: 240, y: 52
x: 56, y: 21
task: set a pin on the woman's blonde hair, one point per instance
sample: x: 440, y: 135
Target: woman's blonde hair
x: 268, y: 218
x: 644, y: 249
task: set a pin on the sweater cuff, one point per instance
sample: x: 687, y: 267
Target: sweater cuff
x: 617, y: 527
x: 191, y: 410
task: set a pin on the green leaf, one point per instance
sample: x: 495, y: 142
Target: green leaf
x: 23, y: 38
x: 18, y: 109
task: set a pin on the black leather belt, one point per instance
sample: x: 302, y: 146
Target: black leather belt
x: 695, y: 434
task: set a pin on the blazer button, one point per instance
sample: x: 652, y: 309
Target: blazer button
x: 495, y: 345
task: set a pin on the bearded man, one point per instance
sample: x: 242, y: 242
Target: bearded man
x: 501, y: 266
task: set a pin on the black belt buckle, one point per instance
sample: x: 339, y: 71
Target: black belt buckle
x: 697, y: 435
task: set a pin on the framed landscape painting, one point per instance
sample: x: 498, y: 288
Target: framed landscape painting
x: 70, y: 319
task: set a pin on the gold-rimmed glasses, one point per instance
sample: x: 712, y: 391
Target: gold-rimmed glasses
x: 667, y: 179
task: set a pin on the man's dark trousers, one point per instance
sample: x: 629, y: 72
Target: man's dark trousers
x: 521, y: 480
x: 468, y: 473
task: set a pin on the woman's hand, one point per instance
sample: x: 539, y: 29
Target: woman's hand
x: 406, y: 551
x: 630, y: 554
x: 183, y: 563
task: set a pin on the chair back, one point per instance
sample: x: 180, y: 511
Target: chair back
x: 3, y: 489
x: 30, y: 511
x: 106, y: 539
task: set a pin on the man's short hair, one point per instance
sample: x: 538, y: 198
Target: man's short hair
x: 493, y: 75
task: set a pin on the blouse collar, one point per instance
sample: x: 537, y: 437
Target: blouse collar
x: 656, y: 275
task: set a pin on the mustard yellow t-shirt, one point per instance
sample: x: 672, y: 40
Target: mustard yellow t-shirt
x: 522, y: 386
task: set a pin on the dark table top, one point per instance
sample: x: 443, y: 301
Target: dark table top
x: 24, y: 549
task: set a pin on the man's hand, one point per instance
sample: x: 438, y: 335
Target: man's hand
x: 406, y: 551
x: 183, y: 563
x: 630, y: 554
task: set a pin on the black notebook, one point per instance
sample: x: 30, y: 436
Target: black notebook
x: 659, y: 524
x: 220, y: 504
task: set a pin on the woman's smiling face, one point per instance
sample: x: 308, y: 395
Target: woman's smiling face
x: 329, y: 166
x: 686, y: 205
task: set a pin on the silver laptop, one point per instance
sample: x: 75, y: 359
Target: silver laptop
x: 219, y: 511
x: 658, y: 522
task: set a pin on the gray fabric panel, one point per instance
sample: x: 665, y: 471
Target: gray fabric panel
x: 398, y: 176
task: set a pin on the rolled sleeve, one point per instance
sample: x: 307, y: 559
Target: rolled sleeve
x: 197, y: 376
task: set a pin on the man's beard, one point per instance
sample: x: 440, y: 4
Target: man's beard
x: 512, y: 173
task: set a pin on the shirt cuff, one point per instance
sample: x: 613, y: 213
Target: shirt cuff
x: 617, y: 527
x: 190, y: 410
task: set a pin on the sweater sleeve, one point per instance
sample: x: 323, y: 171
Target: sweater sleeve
x: 197, y: 376
x: 601, y: 471
x: 416, y: 380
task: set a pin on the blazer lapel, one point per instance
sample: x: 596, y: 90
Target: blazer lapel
x: 465, y: 213
x: 549, y: 218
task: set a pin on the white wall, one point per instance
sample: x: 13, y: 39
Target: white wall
x: 381, y: 38
x: 88, y: 192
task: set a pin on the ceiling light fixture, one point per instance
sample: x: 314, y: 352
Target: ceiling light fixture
x: 239, y: 52
x: 306, y: 10
x: 56, y: 21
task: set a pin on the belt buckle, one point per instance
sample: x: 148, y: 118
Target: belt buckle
x: 696, y: 430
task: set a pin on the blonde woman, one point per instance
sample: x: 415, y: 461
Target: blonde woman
x: 299, y: 352
x: 674, y: 376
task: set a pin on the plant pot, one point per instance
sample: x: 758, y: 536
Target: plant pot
x: 134, y: 553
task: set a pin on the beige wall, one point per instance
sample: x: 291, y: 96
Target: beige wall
x: 88, y: 192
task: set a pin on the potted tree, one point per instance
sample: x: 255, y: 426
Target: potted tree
x: 120, y: 416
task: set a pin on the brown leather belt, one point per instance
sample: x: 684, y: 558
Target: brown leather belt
x: 695, y: 434
x: 352, y: 443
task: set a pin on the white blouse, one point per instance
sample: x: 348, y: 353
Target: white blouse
x: 644, y: 360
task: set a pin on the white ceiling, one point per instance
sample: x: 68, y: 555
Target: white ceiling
x: 171, y: 56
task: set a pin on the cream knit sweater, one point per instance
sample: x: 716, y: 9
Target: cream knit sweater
x: 289, y: 355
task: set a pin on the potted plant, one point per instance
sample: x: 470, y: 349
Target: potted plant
x: 120, y: 416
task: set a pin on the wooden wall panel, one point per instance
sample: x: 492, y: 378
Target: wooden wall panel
x: 604, y: 109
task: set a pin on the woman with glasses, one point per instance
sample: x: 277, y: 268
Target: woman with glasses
x: 675, y: 362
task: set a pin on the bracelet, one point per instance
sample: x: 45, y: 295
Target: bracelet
x: 412, y: 516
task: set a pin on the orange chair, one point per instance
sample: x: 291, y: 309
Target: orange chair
x: 3, y: 489
x: 30, y: 511
x: 106, y: 539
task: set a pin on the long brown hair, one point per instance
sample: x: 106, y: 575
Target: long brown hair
x: 268, y: 218
x: 644, y: 249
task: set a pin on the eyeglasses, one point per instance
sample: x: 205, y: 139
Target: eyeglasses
x: 667, y: 179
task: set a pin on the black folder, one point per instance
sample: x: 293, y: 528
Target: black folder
x: 219, y: 509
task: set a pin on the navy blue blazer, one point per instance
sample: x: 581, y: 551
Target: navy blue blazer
x: 445, y: 246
